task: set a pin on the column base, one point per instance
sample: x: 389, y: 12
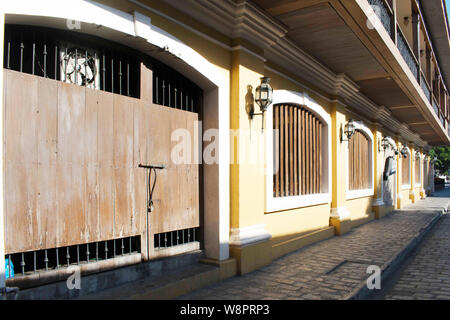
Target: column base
x: 251, y: 246
x: 381, y: 211
x: 252, y: 256
x: 422, y: 194
x: 340, y: 220
x: 412, y: 196
x: 228, y: 267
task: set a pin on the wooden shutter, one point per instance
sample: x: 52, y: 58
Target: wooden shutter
x: 359, y: 161
x: 417, y: 170
x: 406, y: 170
x: 298, y: 151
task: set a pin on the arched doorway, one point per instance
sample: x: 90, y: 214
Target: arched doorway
x: 119, y: 26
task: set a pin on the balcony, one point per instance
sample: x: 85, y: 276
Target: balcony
x: 382, y: 46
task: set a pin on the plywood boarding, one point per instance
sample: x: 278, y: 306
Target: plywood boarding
x: 176, y: 195
x: 298, y: 151
x: 359, y: 161
x: 72, y: 157
x: 21, y: 160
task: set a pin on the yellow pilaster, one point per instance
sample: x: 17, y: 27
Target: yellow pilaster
x: 412, y: 162
x: 399, y: 175
x: 339, y: 216
x: 249, y: 242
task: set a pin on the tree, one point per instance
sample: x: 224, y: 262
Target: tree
x: 442, y: 154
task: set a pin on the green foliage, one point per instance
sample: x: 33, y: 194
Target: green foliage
x: 442, y: 154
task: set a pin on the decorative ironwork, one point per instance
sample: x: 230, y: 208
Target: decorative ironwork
x: 44, y: 260
x: 80, y: 66
x: 175, y: 238
x: 73, y: 58
x: 406, y: 53
x: 435, y: 107
x: 425, y: 88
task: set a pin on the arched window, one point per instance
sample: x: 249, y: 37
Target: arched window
x: 360, y: 163
x: 406, y: 170
x: 417, y: 168
x: 298, y: 152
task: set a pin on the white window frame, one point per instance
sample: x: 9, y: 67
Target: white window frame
x: 360, y: 193
x: 406, y: 186
x: 291, y: 202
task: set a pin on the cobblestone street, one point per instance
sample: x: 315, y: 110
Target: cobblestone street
x: 333, y: 268
x: 426, y: 274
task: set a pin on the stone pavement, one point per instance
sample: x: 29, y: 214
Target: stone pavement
x: 426, y: 274
x: 334, y: 268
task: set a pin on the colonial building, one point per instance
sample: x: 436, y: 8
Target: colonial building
x: 133, y: 137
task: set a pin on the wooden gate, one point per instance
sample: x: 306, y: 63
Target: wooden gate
x: 72, y: 168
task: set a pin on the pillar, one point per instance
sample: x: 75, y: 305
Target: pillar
x: 250, y: 243
x: 339, y: 215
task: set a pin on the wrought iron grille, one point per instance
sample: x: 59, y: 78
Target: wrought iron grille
x: 174, y: 238
x: 173, y: 90
x: 425, y: 88
x: 30, y: 262
x: 72, y: 57
x: 435, y: 107
x: 406, y: 53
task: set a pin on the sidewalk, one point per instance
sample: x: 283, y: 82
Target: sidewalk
x: 336, y: 268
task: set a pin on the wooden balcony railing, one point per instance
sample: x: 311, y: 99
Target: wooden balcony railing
x: 407, y: 53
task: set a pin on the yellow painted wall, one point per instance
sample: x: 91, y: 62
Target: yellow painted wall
x: 290, y: 222
x: 359, y: 208
x: 247, y: 173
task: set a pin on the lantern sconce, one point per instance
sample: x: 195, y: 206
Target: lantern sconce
x: 263, y: 97
x: 417, y: 155
x: 404, y: 151
x: 384, y: 144
x: 348, y: 130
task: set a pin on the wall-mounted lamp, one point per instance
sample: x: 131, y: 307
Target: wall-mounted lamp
x: 349, y: 130
x: 263, y: 97
x: 425, y: 157
x: 417, y: 155
x: 384, y: 144
x: 404, y: 151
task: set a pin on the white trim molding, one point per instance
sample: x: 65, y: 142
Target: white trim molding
x: 354, y: 194
x: 284, y: 203
x: 247, y: 235
x: 378, y: 202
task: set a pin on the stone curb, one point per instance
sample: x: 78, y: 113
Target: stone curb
x: 361, y: 292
